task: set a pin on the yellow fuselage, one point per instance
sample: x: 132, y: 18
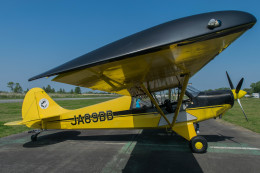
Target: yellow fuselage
x: 41, y: 112
x: 116, y: 114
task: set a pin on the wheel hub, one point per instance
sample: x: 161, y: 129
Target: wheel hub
x: 198, y: 145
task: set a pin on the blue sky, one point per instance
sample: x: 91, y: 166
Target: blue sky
x: 36, y: 36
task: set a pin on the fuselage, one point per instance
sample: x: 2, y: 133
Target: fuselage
x: 121, y: 113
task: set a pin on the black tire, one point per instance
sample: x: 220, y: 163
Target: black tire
x: 198, y: 144
x: 34, y: 138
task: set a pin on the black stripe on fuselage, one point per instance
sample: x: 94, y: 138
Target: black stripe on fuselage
x: 207, y: 107
x: 125, y: 113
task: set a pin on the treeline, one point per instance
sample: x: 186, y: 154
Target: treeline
x: 17, y: 88
x: 49, y: 89
x: 254, y: 88
x: 223, y: 88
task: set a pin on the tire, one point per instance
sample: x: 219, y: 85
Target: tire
x: 34, y: 138
x: 198, y: 144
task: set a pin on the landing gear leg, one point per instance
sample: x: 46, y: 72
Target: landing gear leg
x: 197, y: 129
x: 198, y: 144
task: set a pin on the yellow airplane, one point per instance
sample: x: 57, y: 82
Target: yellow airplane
x: 160, y: 58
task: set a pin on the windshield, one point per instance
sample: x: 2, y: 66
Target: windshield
x: 191, y: 91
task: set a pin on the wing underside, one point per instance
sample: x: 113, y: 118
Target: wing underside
x: 157, y: 70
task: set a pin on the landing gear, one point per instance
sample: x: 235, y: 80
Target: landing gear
x: 198, y: 144
x: 197, y: 129
x: 34, y: 137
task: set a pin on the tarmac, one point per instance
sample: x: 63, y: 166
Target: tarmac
x: 231, y: 149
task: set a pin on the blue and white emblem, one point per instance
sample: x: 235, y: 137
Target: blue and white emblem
x: 44, y: 103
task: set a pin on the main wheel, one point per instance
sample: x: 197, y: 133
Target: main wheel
x: 198, y: 144
x: 34, y: 138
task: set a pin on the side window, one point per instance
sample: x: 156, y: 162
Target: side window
x: 140, y: 102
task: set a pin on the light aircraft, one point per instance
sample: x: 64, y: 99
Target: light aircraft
x: 160, y: 58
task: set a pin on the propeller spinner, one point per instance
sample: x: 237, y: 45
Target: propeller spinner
x: 237, y: 92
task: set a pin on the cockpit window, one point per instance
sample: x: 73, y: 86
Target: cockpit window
x: 141, y: 102
x: 191, y: 91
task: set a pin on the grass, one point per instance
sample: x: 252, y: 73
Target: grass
x: 251, y: 107
x: 12, y: 112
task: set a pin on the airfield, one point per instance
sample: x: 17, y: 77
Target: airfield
x: 231, y: 149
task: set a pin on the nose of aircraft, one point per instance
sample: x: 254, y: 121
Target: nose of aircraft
x: 238, y: 95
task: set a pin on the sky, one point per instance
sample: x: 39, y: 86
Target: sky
x: 36, y: 36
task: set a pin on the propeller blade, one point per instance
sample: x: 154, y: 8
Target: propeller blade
x: 239, y: 85
x: 242, y: 108
x: 230, y: 82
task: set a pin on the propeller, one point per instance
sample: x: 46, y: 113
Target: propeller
x: 237, y: 92
x: 239, y: 85
x: 238, y: 100
x: 230, y: 82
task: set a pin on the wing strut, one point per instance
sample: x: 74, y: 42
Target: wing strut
x: 155, y: 103
x: 183, y: 89
x: 170, y: 94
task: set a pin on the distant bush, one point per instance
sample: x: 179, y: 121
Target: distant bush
x: 6, y: 95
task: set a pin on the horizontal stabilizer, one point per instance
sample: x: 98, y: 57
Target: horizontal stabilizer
x: 14, y: 123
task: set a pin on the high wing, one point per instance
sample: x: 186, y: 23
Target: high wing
x: 157, y: 57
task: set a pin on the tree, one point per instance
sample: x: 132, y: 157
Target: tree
x: 52, y: 90
x: 77, y: 90
x: 223, y: 88
x: 208, y: 90
x: 48, y: 89
x: 255, y: 87
x: 61, y: 91
x: 26, y: 91
x: 11, y: 86
x: 71, y: 91
x: 18, y: 88
x: 248, y: 90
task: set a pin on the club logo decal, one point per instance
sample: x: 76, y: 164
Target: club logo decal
x: 44, y: 103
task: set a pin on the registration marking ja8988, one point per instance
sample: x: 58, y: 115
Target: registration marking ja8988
x: 94, y: 117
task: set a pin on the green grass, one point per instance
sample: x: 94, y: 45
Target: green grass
x: 251, y: 107
x: 75, y: 104
x: 12, y: 112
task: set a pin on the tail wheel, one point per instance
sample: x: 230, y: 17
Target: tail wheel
x: 34, y: 138
x: 198, y: 144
